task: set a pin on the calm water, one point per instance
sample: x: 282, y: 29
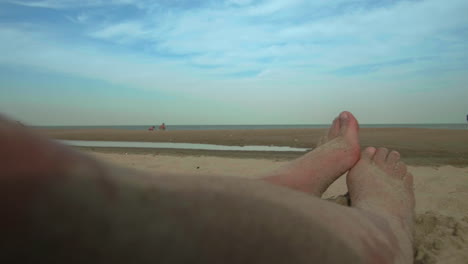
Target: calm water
x: 126, y: 144
x: 235, y: 127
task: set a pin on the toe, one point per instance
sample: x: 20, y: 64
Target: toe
x: 348, y: 124
x: 381, y: 157
x: 368, y: 153
x: 344, y: 121
x: 400, y: 169
x: 393, y: 157
x: 334, y: 129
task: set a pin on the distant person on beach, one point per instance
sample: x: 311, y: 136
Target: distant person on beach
x: 162, y: 127
x: 59, y: 205
x: 151, y: 128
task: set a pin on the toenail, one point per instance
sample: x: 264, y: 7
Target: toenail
x: 371, y: 150
x: 344, y: 116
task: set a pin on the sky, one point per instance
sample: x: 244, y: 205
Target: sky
x: 128, y: 62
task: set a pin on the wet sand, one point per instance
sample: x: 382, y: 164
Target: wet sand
x: 432, y: 147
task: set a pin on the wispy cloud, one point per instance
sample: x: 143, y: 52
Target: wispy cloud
x: 125, y: 32
x: 231, y: 35
x: 369, y: 68
x: 241, y: 31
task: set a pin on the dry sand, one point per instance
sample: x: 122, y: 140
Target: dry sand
x: 441, y: 195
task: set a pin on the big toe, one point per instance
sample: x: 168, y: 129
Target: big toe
x: 365, y: 162
x: 348, y: 125
x: 368, y: 154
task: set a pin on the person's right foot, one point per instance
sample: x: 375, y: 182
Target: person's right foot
x: 381, y: 189
x: 317, y: 170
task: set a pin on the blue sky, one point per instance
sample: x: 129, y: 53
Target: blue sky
x: 96, y: 62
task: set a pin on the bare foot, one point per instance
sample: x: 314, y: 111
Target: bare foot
x: 315, y: 171
x: 382, y: 190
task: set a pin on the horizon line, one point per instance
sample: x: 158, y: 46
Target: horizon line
x: 308, y: 124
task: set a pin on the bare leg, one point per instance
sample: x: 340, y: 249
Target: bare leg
x: 318, y: 169
x: 65, y: 207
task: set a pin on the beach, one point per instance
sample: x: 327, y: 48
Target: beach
x: 437, y: 158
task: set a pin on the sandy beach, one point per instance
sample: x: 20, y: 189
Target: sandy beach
x: 438, y: 160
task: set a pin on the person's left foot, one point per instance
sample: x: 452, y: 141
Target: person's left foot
x: 381, y: 190
x: 318, y: 169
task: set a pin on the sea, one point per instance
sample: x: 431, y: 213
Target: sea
x: 249, y: 127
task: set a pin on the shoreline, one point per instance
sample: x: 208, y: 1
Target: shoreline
x: 413, y: 158
x: 427, y: 147
x: 270, y: 155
